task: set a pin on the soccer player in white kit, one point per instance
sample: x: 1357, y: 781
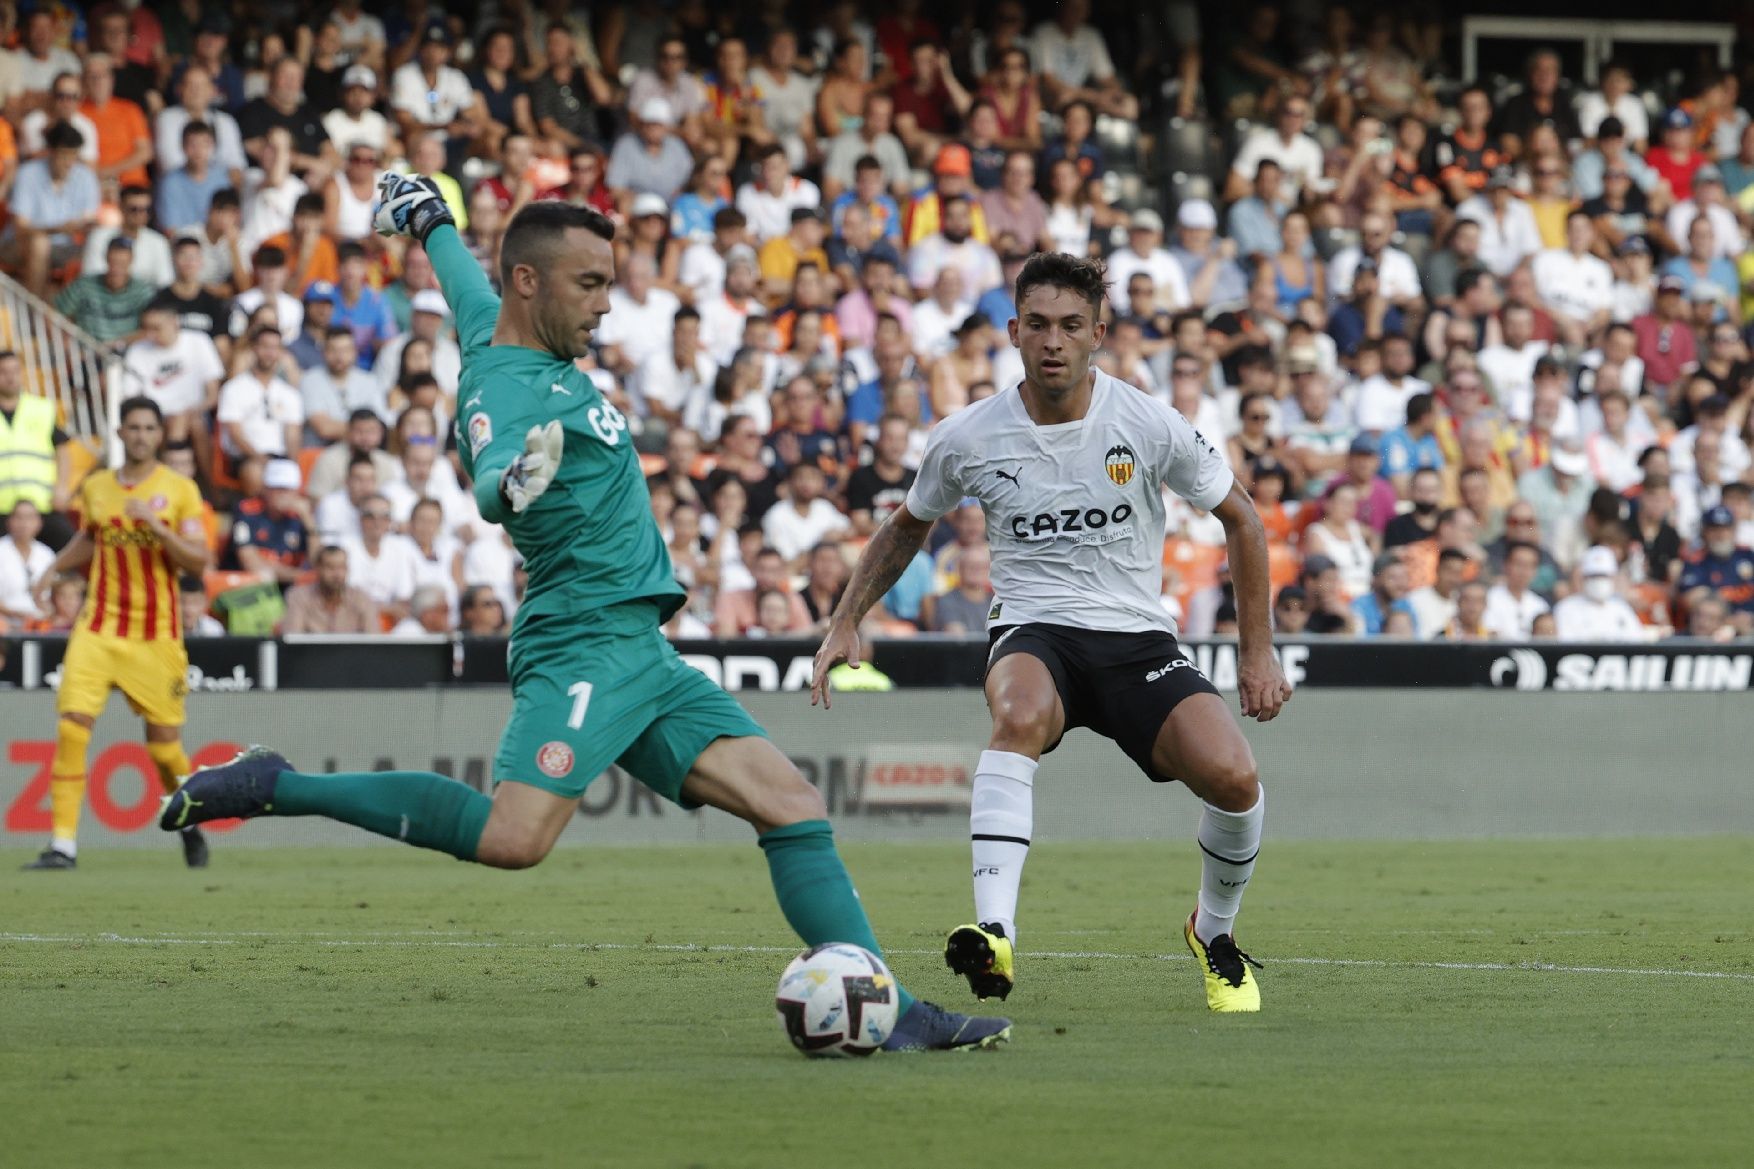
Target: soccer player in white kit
x: 1070, y: 467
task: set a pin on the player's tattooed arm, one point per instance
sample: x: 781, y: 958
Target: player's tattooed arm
x: 886, y: 557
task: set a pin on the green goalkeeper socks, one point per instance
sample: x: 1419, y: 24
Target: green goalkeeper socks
x: 814, y: 891
x: 419, y: 807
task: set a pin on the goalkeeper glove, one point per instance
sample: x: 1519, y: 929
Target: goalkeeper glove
x: 410, y: 206
x: 531, y: 472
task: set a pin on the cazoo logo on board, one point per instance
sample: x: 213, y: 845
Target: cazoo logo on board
x: 1526, y: 669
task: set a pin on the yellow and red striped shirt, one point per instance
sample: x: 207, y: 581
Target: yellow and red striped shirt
x: 132, y: 589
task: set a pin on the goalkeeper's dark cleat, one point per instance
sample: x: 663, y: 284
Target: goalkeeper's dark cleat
x: 983, y: 955
x: 1229, y: 985
x: 927, y: 1027
x: 240, y: 789
x: 194, y: 848
x: 51, y: 858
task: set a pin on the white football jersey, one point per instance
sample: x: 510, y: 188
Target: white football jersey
x: 1075, y: 513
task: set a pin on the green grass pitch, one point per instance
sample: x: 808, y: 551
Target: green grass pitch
x: 1466, y: 1004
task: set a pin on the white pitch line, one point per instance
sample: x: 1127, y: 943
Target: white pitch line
x: 422, y: 940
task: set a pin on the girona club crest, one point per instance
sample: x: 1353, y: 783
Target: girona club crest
x: 554, y: 759
x: 1119, y: 465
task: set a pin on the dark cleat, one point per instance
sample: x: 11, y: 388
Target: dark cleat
x: 983, y: 955
x: 51, y: 859
x: 927, y: 1027
x: 240, y: 789
x: 194, y: 848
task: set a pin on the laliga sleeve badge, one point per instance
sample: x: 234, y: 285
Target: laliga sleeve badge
x: 480, y: 433
x: 554, y: 760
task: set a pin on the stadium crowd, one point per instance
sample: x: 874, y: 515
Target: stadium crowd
x: 1479, y: 350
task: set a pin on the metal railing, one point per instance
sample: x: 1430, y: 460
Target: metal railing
x: 64, y: 363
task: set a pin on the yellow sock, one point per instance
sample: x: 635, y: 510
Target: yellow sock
x: 67, y: 783
x: 171, y: 762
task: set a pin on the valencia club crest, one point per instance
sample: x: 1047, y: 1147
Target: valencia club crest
x: 1119, y: 465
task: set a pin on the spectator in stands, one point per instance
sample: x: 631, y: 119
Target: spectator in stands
x: 671, y: 80
x: 1589, y: 170
x: 1209, y: 271
x: 880, y: 486
x: 336, y: 390
x: 1075, y: 65
x: 483, y: 613
x: 63, y: 106
x: 1434, y: 606
x: 678, y: 378
x: 309, y: 153
x: 1720, y: 568
x: 54, y: 202
x: 1424, y: 492
x: 798, y: 523
x: 381, y: 563
x: 768, y: 200
x: 565, y: 97
x: 952, y: 172
x: 151, y: 251
x: 429, y: 94
x: 192, y: 605
x: 1386, y: 593
x: 1538, y: 103
x: 1329, y: 611
x: 955, y: 246
x: 788, y: 97
x: 181, y: 371
x: 260, y: 414
x: 1512, y: 604
x: 1560, y: 494
x: 318, y: 304
x: 826, y: 581
x: 211, y: 52
x: 270, y: 191
x: 962, y: 609
x: 40, y: 59
x: 1469, y: 622
x: 270, y: 529
x: 651, y: 158
x: 736, y: 611
x: 1291, y: 610
x: 124, y: 138
x: 336, y: 516
x: 840, y: 101
x: 1296, y: 157
x: 354, y: 122
x: 198, y: 105
x: 780, y: 257
x: 23, y: 561
x: 310, y: 253
x: 360, y: 307
x: 1675, y: 158
x: 184, y: 194
x: 330, y: 604
x: 108, y: 303
x: 365, y: 436
x: 1596, y: 612
x: 429, y: 614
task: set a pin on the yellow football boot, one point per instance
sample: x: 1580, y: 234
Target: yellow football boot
x: 983, y: 955
x: 1229, y: 985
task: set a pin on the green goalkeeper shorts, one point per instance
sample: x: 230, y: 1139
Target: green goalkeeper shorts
x: 609, y: 689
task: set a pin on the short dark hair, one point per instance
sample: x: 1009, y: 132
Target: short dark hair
x: 1516, y: 546
x: 63, y: 136
x: 139, y: 402
x: 1452, y: 554
x: 225, y: 197
x: 1088, y: 278
x: 334, y: 331
x: 269, y: 256
x: 867, y: 162
x: 686, y: 313
x: 184, y: 241
x: 1420, y: 407
x: 362, y: 459
x: 196, y: 130
x: 347, y: 250
x: 311, y: 205
x: 535, y: 233
x: 328, y: 550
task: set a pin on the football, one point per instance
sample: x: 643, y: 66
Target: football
x: 837, y: 999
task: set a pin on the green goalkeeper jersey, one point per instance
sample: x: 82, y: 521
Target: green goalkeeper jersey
x: 590, y: 540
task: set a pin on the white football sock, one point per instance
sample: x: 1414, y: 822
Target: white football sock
x: 1001, y: 817
x: 1229, y: 842
x: 66, y: 846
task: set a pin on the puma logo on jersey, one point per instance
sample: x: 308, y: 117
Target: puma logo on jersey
x: 557, y: 388
x: 1010, y: 476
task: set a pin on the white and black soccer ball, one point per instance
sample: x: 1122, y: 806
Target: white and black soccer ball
x: 837, y: 999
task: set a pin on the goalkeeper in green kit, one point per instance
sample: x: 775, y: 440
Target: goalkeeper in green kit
x: 594, y: 681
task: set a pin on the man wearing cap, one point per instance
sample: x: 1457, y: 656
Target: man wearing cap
x: 1676, y: 158
x: 1597, y: 612
x: 1508, y: 232
x: 337, y: 387
x: 108, y: 304
x: 953, y: 178
x: 428, y: 93
x: 1560, y: 494
x: 1208, y: 264
x: 1720, y: 568
x: 354, y: 120
x: 270, y: 536
x: 768, y: 200
x: 1145, y: 253
x: 651, y: 158
x: 319, y: 315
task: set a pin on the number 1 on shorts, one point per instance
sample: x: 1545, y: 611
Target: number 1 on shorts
x: 580, y: 693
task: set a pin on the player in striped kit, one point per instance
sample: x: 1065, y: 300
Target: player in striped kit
x: 140, y: 528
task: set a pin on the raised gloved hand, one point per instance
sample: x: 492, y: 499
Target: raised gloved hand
x: 531, y: 472
x: 409, y: 205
